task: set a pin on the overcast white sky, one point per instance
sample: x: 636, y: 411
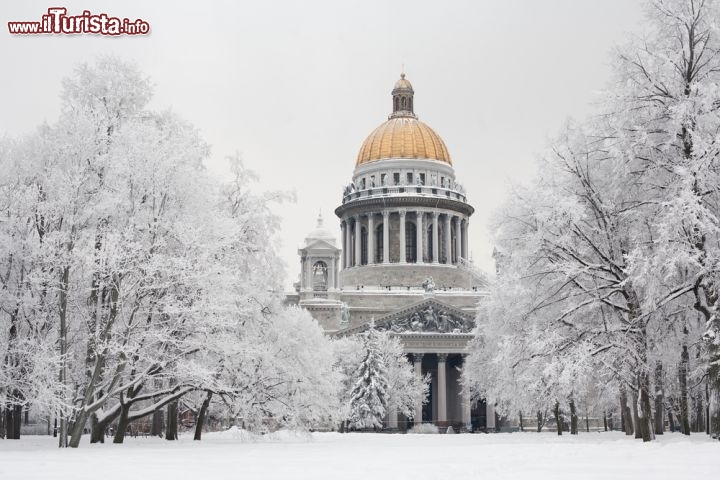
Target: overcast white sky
x: 297, y: 86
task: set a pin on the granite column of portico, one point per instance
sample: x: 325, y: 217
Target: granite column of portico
x: 419, y: 236
x: 442, y: 389
x: 402, y: 235
x: 386, y: 237
x: 358, y: 236
x: 417, y: 359
x: 371, y: 239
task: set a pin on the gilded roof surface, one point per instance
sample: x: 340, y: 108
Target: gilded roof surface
x: 403, y: 137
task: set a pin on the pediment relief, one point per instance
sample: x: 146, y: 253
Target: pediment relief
x: 429, y: 316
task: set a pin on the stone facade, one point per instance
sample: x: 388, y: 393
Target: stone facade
x: 402, y: 261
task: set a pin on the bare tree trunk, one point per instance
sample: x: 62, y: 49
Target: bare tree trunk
x: 626, y: 412
x: 202, y: 415
x: 605, y: 420
x: 682, y: 373
x: 123, y: 423
x: 698, y: 424
x: 659, y: 399
x: 97, y: 430
x: 539, y: 421
x: 64, y: 285
x: 558, y: 420
x: 714, y: 400
x: 156, y: 429
x: 671, y: 417
x: 573, y: 418
x: 645, y: 413
x: 707, y: 407
x: 171, y: 430
x: 522, y: 429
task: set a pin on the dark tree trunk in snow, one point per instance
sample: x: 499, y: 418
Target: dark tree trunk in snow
x: 573, y: 418
x: 171, y: 429
x: 558, y: 420
x: 707, y: 407
x: 605, y: 420
x: 671, y: 418
x: 645, y: 412
x: 13, y: 421
x: 539, y: 421
x: 123, y: 423
x: 698, y: 424
x: 659, y: 400
x: 626, y: 412
x: 97, y: 430
x: 522, y: 429
x: 636, y: 415
x: 156, y: 429
x: 682, y: 373
x: 201, y: 416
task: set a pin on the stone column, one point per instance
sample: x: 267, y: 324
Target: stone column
x: 490, y: 417
x: 435, y: 239
x: 371, y: 238
x: 348, y: 244
x: 303, y: 279
x: 386, y: 236
x: 417, y: 359
x: 402, y: 235
x: 419, y: 240
x: 466, y: 404
x: 465, y: 239
x: 358, y: 231
x: 342, y: 241
x: 448, y: 238
x: 458, y: 239
x: 308, y: 273
x: 331, y: 275
x: 442, y: 388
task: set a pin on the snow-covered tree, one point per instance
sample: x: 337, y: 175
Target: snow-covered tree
x: 369, y: 398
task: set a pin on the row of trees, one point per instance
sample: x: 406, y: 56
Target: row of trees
x: 607, y: 288
x: 131, y: 280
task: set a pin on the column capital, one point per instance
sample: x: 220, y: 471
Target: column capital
x: 436, y: 214
x: 442, y: 357
x: 402, y: 212
x: 417, y: 357
x: 357, y: 217
x: 386, y: 213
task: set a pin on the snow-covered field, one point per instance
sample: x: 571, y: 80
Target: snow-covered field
x: 230, y: 455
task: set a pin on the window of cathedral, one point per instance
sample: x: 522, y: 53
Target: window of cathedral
x: 363, y: 246
x: 409, y: 178
x: 422, y: 179
x: 396, y: 178
x: 379, y: 245
x: 410, y: 242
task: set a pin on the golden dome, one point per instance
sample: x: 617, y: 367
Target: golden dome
x: 403, y: 137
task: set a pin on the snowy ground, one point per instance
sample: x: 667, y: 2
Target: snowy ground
x: 230, y: 455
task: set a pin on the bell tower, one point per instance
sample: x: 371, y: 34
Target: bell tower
x: 402, y: 95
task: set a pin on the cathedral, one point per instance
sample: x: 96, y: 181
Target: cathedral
x: 402, y: 261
